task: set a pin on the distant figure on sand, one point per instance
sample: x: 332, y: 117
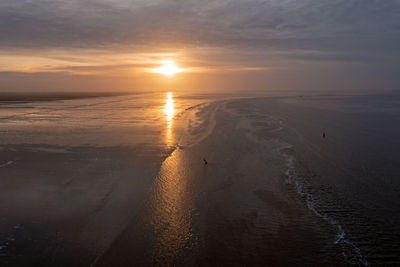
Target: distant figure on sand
x: 323, y: 135
x: 205, y: 162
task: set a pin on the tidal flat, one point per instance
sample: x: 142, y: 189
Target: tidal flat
x: 122, y: 181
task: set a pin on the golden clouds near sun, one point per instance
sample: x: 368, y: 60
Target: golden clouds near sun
x: 168, y: 68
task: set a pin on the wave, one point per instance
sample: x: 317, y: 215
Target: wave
x: 349, y: 250
x: 6, y: 164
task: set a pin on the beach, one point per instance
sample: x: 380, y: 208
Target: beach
x: 121, y: 181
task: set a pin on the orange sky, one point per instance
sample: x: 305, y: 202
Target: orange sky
x: 222, y: 45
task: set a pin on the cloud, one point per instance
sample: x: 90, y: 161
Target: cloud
x: 238, y: 23
x: 99, y: 36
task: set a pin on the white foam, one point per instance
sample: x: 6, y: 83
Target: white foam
x: 349, y: 250
x: 6, y: 164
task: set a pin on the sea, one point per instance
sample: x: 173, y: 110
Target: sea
x: 178, y: 179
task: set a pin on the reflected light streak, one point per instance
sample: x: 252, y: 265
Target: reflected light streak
x: 169, y: 111
x: 170, y: 206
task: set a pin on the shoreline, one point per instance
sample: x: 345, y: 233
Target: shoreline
x: 239, y: 197
x: 23, y: 98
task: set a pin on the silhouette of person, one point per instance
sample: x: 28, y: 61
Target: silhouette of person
x: 323, y: 135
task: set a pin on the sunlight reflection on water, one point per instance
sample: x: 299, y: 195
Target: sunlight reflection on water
x: 170, y: 209
x: 169, y: 111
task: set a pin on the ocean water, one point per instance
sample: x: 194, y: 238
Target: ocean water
x: 125, y: 120
x: 121, y: 181
x: 351, y: 178
x: 75, y: 172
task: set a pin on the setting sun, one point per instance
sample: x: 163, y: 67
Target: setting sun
x: 168, y: 68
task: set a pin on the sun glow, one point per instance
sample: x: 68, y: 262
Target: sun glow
x: 168, y: 68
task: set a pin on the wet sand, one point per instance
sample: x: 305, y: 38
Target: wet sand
x: 64, y: 207
x: 74, y: 173
x: 237, y: 210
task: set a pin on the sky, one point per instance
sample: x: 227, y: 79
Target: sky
x: 323, y: 46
